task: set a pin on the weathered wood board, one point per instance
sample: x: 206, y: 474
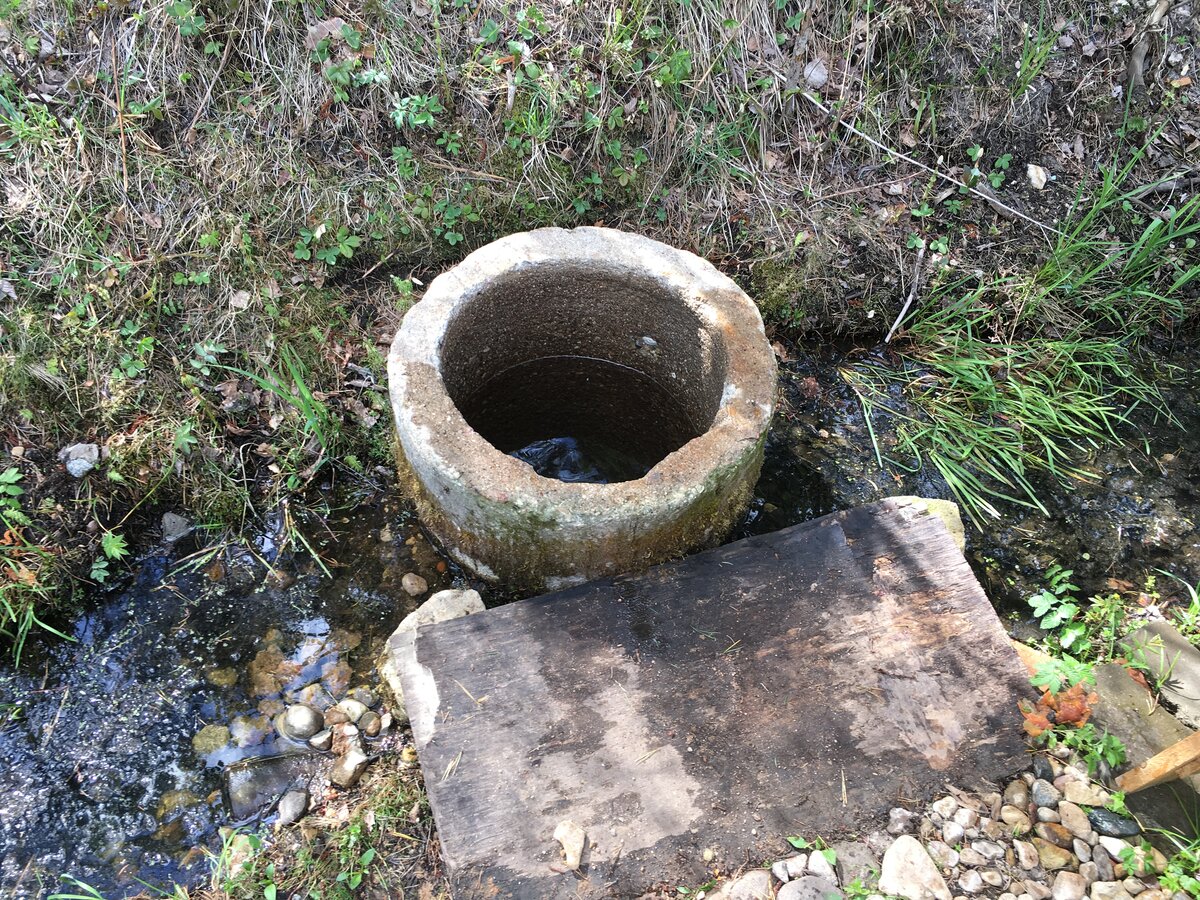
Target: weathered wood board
x: 796, y: 683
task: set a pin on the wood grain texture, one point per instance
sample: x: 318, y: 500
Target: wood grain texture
x: 1177, y: 761
x: 799, y: 682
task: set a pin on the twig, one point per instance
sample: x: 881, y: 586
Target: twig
x: 912, y: 294
x: 1137, y: 58
x: 1179, y: 182
x: 117, y: 82
x: 920, y: 165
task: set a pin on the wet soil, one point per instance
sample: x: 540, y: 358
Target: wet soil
x: 99, y: 775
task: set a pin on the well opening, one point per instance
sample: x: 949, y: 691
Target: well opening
x: 585, y: 375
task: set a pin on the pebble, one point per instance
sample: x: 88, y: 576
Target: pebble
x: 796, y: 865
x: 370, y: 724
x: 1017, y: 794
x: 908, y: 871
x: 970, y: 881
x: 1084, y: 794
x: 970, y: 857
x: 1055, y: 834
x: 352, y: 710
x: 1068, y: 886
x: 1082, y: 849
x: 751, y: 886
x: 811, y: 887
x: 1041, y: 768
x: 1046, y: 814
x: 414, y: 585
x: 855, y: 860
x: 1036, y: 890
x: 818, y: 865
x: 349, y: 768
x: 210, y: 739
x: 1107, y: 822
x: 1104, y: 866
x: 299, y: 722
x: 780, y: 870
x: 1114, y: 846
x: 1090, y: 873
x: 79, y: 459
x: 1044, y: 793
x: 946, y: 807
x: 967, y: 818
x: 1052, y: 856
x: 1132, y: 885
x: 292, y: 806
x: 322, y: 740
x: 988, y: 849
x: 992, y: 877
x: 899, y: 820
x: 1016, y: 820
x: 953, y: 833
x: 174, y: 526
x: 363, y: 695
x: 573, y: 839
x: 1109, y: 890
x: 1074, y: 819
x: 943, y: 854
x: 1027, y: 855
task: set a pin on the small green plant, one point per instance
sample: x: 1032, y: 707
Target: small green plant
x: 10, y: 493
x: 115, y: 549
x: 1182, y: 872
x: 417, y: 111
x: 1035, y: 50
x: 406, y: 164
x: 204, y: 356
x: 342, y: 244
x: 1057, y: 609
x: 815, y: 846
x: 1060, y: 673
x: 185, y: 16
x: 1093, y: 746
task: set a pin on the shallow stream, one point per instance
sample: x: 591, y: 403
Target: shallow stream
x: 111, y: 745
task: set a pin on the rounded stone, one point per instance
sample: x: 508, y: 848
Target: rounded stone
x: 414, y: 585
x: 542, y: 336
x: 300, y: 722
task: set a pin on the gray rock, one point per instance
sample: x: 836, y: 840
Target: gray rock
x: 1109, y: 890
x: 967, y: 818
x: 1090, y: 873
x: 1133, y: 886
x: 1046, y: 814
x: 349, y: 768
x: 1114, y: 847
x: 79, y: 458
x: 992, y: 878
x: 989, y: 849
x: 1082, y: 849
x: 1036, y: 890
x: 252, y: 785
x: 299, y: 722
x: 899, y: 820
x: 363, y: 695
x: 292, y: 806
x: 1045, y: 794
x: 1016, y: 820
x: 810, y: 887
x: 942, y: 854
x: 370, y: 723
x: 953, y: 833
x: 1068, y: 886
x: 441, y: 607
x: 780, y: 870
x: 970, y: 881
x: 821, y: 867
x: 946, y: 807
x: 909, y: 872
x: 755, y: 885
x: 796, y: 865
x: 1104, y: 865
x: 322, y: 740
x: 1017, y: 794
x: 414, y: 585
x: 855, y: 860
x: 174, y: 527
x: 970, y: 857
x: 1107, y: 822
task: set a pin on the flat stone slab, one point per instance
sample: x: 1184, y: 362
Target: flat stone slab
x: 1173, y: 664
x: 797, y: 683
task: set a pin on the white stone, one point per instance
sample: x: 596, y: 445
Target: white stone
x: 909, y: 872
x: 797, y: 865
x: 953, y: 833
x: 971, y: 881
x: 818, y: 865
x: 574, y: 841
x: 1068, y: 886
x: 1109, y: 890
x: 1085, y: 794
x: 942, y: 854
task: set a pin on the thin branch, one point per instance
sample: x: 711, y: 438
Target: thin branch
x: 912, y: 294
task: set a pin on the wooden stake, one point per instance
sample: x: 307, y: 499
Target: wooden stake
x: 1177, y: 761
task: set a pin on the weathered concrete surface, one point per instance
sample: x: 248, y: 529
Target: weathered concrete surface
x: 1128, y: 711
x: 1173, y: 664
x: 799, y: 682
x: 586, y: 293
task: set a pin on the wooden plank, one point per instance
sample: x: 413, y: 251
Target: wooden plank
x: 799, y: 682
x: 1177, y: 761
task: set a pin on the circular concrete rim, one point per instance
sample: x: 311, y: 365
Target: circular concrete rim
x: 441, y: 447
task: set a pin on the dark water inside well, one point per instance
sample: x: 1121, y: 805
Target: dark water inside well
x: 580, y: 419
